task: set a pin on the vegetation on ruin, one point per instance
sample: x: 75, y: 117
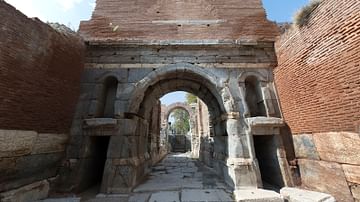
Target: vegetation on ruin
x: 190, y: 98
x: 181, y: 123
x: 301, y: 18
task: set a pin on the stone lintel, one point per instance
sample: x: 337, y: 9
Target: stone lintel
x: 245, y: 41
x: 239, y: 161
x: 96, y: 122
x: 265, y: 122
x: 230, y: 115
x: 152, y: 66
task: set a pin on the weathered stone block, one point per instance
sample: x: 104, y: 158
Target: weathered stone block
x: 16, y: 142
x: 124, y: 91
x: 257, y: 195
x: 355, y: 190
x: 340, y: 147
x: 137, y: 74
x: 325, y: 177
x: 195, y: 195
x: 28, y: 169
x: 305, y: 147
x: 31, y: 192
x: 7, y: 167
x: 50, y: 143
x: 352, y: 173
x: 300, y: 195
x: 93, y: 106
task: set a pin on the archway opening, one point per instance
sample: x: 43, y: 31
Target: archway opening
x: 212, y: 142
x: 179, y: 134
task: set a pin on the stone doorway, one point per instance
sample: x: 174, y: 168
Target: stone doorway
x: 97, y: 159
x: 266, y: 148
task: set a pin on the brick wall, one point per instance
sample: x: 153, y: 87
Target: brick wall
x: 318, y: 77
x: 178, y: 20
x: 40, y: 72
x: 318, y: 81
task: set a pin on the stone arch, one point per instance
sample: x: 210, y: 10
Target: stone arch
x: 192, y: 79
x: 185, y: 77
x: 261, y: 77
x: 177, y: 105
x: 191, y: 138
x: 102, y: 78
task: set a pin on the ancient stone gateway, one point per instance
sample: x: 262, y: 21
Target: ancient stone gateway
x: 130, y: 66
x: 186, y: 142
x: 178, y: 105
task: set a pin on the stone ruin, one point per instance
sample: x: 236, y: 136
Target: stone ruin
x: 83, y: 110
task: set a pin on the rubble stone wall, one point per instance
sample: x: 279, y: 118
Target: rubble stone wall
x: 318, y: 81
x: 40, y: 71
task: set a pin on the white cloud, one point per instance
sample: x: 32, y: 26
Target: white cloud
x: 68, y: 4
x: 27, y: 7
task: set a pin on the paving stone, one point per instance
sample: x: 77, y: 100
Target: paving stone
x: 109, y: 198
x: 257, y: 195
x: 192, y: 185
x: 177, y: 179
x: 69, y: 199
x: 144, y: 197
x: 300, y: 195
x: 165, y: 196
x: 197, y: 195
x: 157, y: 186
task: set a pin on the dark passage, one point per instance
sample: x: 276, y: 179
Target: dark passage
x: 265, y: 149
x: 98, y: 158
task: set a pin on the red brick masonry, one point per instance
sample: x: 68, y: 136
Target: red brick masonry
x: 318, y: 76
x: 178, y: 20
x: 40, y: 71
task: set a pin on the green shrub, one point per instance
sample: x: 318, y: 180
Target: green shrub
x: 302, y: 17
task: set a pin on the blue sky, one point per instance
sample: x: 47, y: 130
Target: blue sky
x: 71, y: 12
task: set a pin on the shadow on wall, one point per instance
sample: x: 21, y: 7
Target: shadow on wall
x: 288, y: 142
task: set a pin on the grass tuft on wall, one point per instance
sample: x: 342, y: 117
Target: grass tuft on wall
x: 301, y: 18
